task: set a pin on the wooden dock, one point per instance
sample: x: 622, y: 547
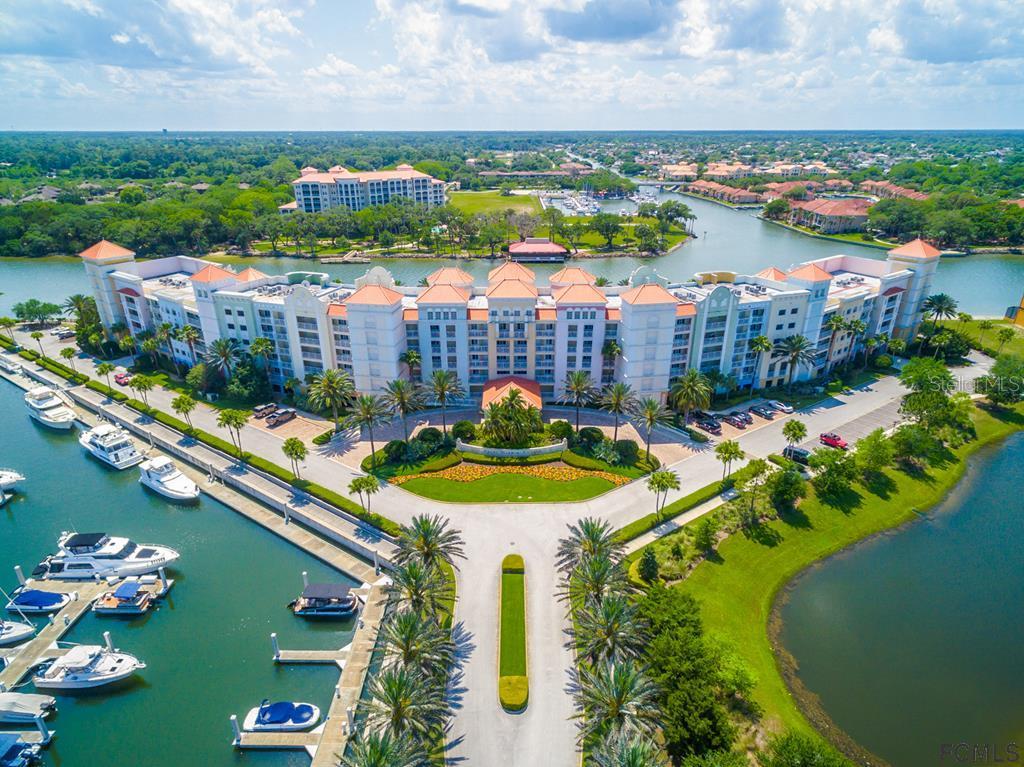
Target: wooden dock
x: 278, y: 741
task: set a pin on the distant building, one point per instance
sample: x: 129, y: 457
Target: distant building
x: 729, y: 194
x: 317, y: 191
x: 679, y: 172
x: 831, y: 216
x: 536, y: 250
x: 890, y: 191
x: 727, y: 170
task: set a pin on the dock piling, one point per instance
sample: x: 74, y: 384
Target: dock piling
x: 376, y: 562
x: 44, y: 731
x: 163, y: 578
x: 20, y: 574
x: 234, y: 727
x: 305, y: 579
x: 273, y: 642
x: 337, y: 691
x: 108, y: 641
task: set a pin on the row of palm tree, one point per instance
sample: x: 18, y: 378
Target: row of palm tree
x: 616, y: 700
x: 408, y: 707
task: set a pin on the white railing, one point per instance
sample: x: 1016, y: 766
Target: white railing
x: 502, y: 452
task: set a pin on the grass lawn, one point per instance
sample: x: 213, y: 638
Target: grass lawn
x: 491, y: 202
x: 737, y: 589
x: 513, y: 687
x: 507, y: 488
x: 987, y: 338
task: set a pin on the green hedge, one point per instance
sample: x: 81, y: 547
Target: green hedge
x: 7, y: 343
x: 336, y: 499
x: 532, y: 460
x: 513, y: 683
x: 323, y: 439
x: 780, y: 460
x: 513, y: 563
x: 696, y: 436
x: 640, y: 526
x: 28, y: 354
x: 101, y: 388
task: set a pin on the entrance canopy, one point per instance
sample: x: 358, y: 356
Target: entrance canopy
x: 497, y: 389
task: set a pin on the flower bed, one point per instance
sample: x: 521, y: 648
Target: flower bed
x: 470, y: 472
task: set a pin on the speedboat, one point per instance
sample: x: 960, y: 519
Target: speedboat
x: 127, y: 599
x: 47, y: 407
x: 281, y: 717
x: 112, y: 445
x: 9, y: 478
x: 15, y: 753
x: 86, y: 666
x: 84, y: 556
x: 23, y: 707
x: 36, y: 601
x: 12, y: 632
x: 162, y: 476
x: 325, y: 600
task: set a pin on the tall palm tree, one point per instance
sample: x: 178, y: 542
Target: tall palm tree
x: 412, y: 360
x: 611, y: 349
x: 38, y: 336
x: 618, y: 398
x: 430, y: 541
x: 8, y: 324
x: 262, y: 349
x: 404, y: 702
x: 590, y: 537
x: 628, y: 750
x: 105, y: 369
x: 689, y: 391
x: 983, y: 327
x: 403, y: 397
x: 128, y: 345
x: 659, y: 483
x: 727, y: 452
x: 857, y: 327
x: 382, y: 749
x: 420, y: 588
x: 368, y: 411
x: 650, y: 412
x: 593, y: 580
x: 616, y: 698
x: 940, y: 306
x: 418, y: 643
x: 609, y: 632
x: 233, y: 421
x: 79, y: 305
x: 223, y: 354
x: 331, y: 389
x: 151, y: 346
x: 835, y: 324
x: 579, y: 391
x: 189, y: 336
x: 445, y: 386
x: 69, y: 354
x: 797, y: 350
x: 295, y: 451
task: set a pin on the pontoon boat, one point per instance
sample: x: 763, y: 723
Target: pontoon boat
x: 325, y: 600
x: 126, y: 599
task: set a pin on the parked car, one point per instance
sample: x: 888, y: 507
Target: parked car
x: 279, y: 417
x: 710, y: 425
x: 734, y: 420
x: 744, y: 416
x: 260, y: 411
x: 833, y: 440
x: 122, y: 379
x: 763, y: 411
x: 700, y: 415
x: 782, y: 407
x: 63, y: 334
x: 796, y: 454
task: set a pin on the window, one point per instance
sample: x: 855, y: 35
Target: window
x: 791, y: 325
x: 782, y: 312
x: 793, y: 310
x: 778, y: 327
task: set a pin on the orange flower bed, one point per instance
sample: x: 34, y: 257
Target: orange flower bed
x: 470, y: 472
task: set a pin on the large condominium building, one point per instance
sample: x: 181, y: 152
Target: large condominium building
x: 316, y: 191
x: 512, y: 326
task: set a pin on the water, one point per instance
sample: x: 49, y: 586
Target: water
x: 207, y: 647
x: 912, y: 639
x: 727, y: 239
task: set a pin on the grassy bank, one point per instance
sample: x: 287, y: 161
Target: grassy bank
x: 987, y: 339
x: 738, y: 587
x: 852, y: 238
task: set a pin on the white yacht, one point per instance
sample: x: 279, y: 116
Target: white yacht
x: 85, y: 556
x: 47, y: 407
x: 23, y: 707
x: 12, y: 632
x: 9, y: 478
x: 86, y: 666
x: 112, y: 445
x: 162, y: 476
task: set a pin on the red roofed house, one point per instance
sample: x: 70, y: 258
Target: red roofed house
x: 827, y: 216
x: 536, y: 250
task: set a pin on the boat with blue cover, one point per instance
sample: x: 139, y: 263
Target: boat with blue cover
x: 129, y: 598
x: 36, y: 601
x: 325, y: 600
x: 283, y: 716
x: 14, y: 753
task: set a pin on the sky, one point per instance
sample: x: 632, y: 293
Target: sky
x: 510, y: 64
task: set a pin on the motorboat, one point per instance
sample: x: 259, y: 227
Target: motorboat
x: 87, y: 666
x: 127, y: 599
x: 9, y: 479
x: 84, y: 556
x: 325, y: 600
x: 162, y: 476
x: 12, y: 632
x: 9, y: 364
x: 112, y: 445
x: 281, y: 717
x: 16, y: 753
x: 37, y: 601
x: 23, y: 707
x: 47, y: 407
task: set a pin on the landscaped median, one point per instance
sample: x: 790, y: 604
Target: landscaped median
x: 513, y: 682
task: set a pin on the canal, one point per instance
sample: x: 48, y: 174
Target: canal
x: 207, y: 648
x: 726, y: 239
x: 912, y: 639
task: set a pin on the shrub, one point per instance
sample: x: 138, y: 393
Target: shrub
x: 605, y: 451
x: 882, y: 362
x: 513, y: 692
x: 395, y: 451
x: 786, y: 488
x: 6, y: 343
x: 464, y: 430
x: 115, y: 395
x: 333, y: 498
x: 648, y: 568
x: 441, y: 462
x: 782, y: 461
x: 561, y: 430
x: 578, y: 461
x: 513, y: 563
x: 638, y: 527
x: 530, y: 460
x: 323, y: 439
x: 696, y: 436
x: 589, y: 437
x: 628, y: 450
x: 430, y: 435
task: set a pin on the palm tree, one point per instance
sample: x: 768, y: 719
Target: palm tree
x: 983, y: 327
x: 420, y: 588
x: 618, y: 398
x: 78, y: 305
x: 727, y: 452
x: 690, y: 390
x: 836, y: 325
x: 428, y: 540
x: 870, y: 344
x: 331, y: 389
x: 611, y: 349
x: 797, y: 350
x: 69, y: 354
x: 262, y: 349
x: 9, y: 324
x: 143, y: 384
x: 857, y: 328
x: 608, y: 632
x: 794, y: 431
x: 941, y: 340
x: 659, y: 483
x: 38, y: 336
x: 616, y: 698
x: 650, y: 412
x: 382, y: 749
x: 1004, y: 336
x: 418, y: 643
x: 295, y: 450
x: 445, y: 386
x: 403, y: 397
x: 369, y: 411
x: 590, y: 537
x: 189, y: 335
x: 579, y: 391
x: 593, y: 580
x: 151, y: 347
x: 128, y: 345
x: 233, y: 421
x: 629, y: 750
x: 105, y: 369
x: 183, y: 405
x: 963, y: 318
x: 223, y: 354
x: 412, y: 360
x: 404, y: 702
x: 940, y: 306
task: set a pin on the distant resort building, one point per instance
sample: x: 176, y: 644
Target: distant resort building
x: 536, y: 250
x: 679, y: 172
x: 887, y: 190
x: 730, y: 194
x: 831, y: 216
x: 727, y: 170
x: 316, y: 191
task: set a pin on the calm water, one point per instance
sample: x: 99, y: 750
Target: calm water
x: 913, y: 639
x: 727, y: 239
x: 207, y: 647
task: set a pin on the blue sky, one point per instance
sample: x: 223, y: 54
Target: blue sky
x: 510, y: 64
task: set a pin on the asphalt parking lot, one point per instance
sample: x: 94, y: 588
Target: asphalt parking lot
x: 884, y: 417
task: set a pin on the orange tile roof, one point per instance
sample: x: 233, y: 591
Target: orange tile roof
x: 374, y: 295
x: 450, y: 275
x: 810, y: 273
x: 443, y: 294
x: 686, y: 310
x: 511, y: 270
x: 213, y: 273
x: 579, y: 294
x: 916, y: 249
x: 546, y: 315
x: 105, y: 249
x: 512, y: 289
x: 410, y: 315
x: 572, y: 275
x: 249, y: 274
x: 497, y: 389
x: 648, y: 293
x: 613, y: 314
x: 772, y: 273
x: 477, y: 315
x: 339, y: 311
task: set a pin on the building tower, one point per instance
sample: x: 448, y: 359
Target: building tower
x: 100, y: 261
x: 922, y: 259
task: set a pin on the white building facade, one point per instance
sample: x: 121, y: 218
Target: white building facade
x: 317, y: 191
